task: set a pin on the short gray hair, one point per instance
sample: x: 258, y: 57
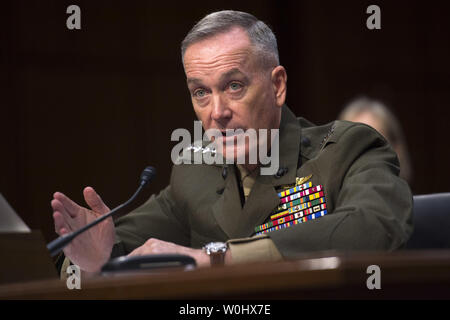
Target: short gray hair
x: 260, y: 35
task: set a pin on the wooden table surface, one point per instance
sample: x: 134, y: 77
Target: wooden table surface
x: 325, y: 275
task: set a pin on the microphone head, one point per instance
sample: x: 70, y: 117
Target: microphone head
x: 147, y: 175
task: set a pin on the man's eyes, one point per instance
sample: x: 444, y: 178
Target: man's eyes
x: 235, y: 86
x: 232, y: 87
x: 199, y: 93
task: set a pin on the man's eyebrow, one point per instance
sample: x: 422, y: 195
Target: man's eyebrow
x: 232, y: 72
x: 224, y: 76
x: 193, y: 81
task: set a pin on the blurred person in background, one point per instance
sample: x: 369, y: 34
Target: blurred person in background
x: 375, y: 114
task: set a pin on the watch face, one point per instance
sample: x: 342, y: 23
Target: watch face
x: 213, y: 247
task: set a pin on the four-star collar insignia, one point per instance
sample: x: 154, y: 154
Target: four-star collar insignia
x: 328, y: 135
x: 201, y: 149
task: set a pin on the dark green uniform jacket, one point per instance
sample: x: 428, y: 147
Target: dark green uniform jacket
x: 369, y: 206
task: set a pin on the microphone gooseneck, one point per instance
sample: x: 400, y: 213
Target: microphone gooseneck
x: 59, y: 243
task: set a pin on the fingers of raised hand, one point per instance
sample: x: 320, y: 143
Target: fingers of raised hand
x: 61, y: 226
x: 70, y: 207
x: 58, y: 206
x: 94, y: 201
x: 61, y: 217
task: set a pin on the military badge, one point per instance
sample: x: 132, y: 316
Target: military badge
x: 298, y: 204
x: 302, y: 180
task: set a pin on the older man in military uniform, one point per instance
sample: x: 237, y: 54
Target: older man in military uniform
x: 337, y: 186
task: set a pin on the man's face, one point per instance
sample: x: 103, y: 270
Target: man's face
x: 229, y: 88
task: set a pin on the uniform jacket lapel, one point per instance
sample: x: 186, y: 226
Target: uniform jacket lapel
x: 240, y: 222
x: 227, y: 209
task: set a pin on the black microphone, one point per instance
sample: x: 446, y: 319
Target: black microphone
x: 59, y: 243
x: 147, y: 175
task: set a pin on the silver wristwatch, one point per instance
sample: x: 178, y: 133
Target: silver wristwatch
x: 216, y: 251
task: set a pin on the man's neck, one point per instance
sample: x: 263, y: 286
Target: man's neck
x: 250, y: 167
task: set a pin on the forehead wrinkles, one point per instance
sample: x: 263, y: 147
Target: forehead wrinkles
x: 217, y: 62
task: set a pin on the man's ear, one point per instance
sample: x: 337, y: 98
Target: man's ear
x: 279, y: 80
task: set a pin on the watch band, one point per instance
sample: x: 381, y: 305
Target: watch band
x: 217, y: 258
x: 216, y: 252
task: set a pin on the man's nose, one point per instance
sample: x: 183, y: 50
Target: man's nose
x: 220, y: 109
